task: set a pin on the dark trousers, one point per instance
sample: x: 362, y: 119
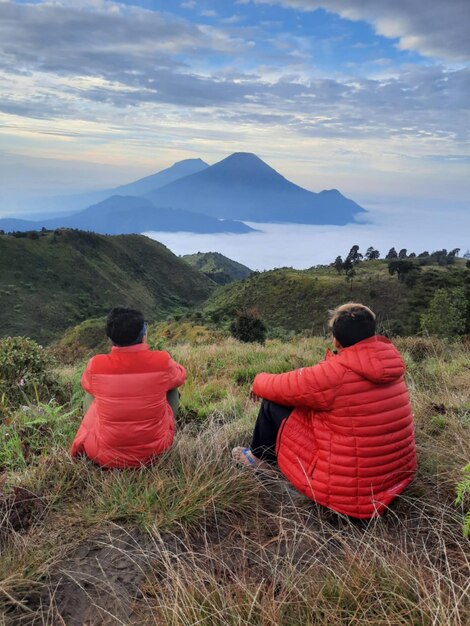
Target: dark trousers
x: 269, y: 421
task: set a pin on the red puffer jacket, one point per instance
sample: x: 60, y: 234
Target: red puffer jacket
x: 349, y: 442
x: 130, y: 420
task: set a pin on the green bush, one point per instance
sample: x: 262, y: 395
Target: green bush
x: 248, y: 327
x: 26, y: 372
x: 446, y: 314
x: 82, y: 342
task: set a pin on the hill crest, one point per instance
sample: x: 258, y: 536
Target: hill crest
x: 61, y: 278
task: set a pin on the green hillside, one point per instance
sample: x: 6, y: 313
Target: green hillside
x: 299, y: 300
x: 58, y: 279
x: 218, y: 267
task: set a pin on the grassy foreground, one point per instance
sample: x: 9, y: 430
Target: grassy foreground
x: 196, y: 540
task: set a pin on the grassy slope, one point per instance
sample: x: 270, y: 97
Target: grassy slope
x: 299, y: 300
x: 202, y: 541
x: 54, y: 282
x: 218, y: 267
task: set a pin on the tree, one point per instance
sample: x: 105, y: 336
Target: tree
x: 446, y: 314
x: 402, y: 253
x: 451, y: 255
x: 350, y: 273
x: 392, y: 254
x: 412, y: 255
x: 401, y: 267
x: 440, y: 256
x: 467, y: 255
x: 338, y: 264
x: 354, y: 255
x: 423, y: 255
x: 371, y: 254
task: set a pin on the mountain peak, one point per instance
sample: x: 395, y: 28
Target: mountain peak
x: 242, y: 186
x: 244, y: 158
x: 243, y: 155
x: 246, y: 168
x: 197, y: 161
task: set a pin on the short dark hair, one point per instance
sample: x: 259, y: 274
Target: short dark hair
x: 351, y: 323
x: 124, y: 326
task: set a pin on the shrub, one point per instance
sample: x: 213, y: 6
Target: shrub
x: 26, y: 372
x: 32, y: 433
x: 446, y: 314
x: 248, y: 327
x: 82, y: 341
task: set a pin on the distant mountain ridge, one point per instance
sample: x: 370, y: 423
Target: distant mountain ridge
x: 191, y: 196
x: 80, y: 201
x: 218, y: 267
x: 243, y: 187
x: 122, y: 215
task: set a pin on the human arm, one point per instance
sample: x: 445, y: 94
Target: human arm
x: 176, y: 374
x: 87, y: 386
x: 313, y: 387
x: 86, y: 378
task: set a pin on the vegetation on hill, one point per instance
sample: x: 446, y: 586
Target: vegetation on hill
x: 54, y: 280
x: 218, y: 267
x: 291, y: 300
x: 196, y: 539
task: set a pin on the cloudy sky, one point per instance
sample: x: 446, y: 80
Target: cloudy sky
x: 367, y: 96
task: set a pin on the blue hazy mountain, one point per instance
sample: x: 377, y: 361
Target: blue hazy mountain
x: 155, y: 181
x: 129, y: 214
x: 77, y: 202
x: 243, y: 187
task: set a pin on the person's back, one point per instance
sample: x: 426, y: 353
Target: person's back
x: 361, y: 431
x: 347, y: 440
x: 130, y: 419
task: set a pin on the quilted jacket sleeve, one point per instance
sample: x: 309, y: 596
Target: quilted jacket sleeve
x: 313, y: 387
x: 176, y: 374
x: 86, y: 378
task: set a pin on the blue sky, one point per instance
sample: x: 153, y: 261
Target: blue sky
x: 367, y: 96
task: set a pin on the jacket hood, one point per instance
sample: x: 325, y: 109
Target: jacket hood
x: 375, y: 358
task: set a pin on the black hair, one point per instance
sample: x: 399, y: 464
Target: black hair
x: 352, y: 323
x: 124, y: 326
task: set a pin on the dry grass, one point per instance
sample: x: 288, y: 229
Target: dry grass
x: 194, y: 540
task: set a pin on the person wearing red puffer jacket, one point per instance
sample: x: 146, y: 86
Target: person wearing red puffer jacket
x: 341, y: 431
x: 134, y: 397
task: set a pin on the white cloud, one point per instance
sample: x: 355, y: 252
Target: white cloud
x: 433, y: 28
x: 95, y: 79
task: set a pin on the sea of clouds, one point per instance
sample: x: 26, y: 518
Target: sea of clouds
x: 302, y: 246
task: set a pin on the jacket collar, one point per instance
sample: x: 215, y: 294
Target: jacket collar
x: 138, y: 347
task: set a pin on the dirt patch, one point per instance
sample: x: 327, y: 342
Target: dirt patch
x: 97, y: 584
x: 19, y: 510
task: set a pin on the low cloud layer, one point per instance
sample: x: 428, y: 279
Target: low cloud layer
x: 290, y: 245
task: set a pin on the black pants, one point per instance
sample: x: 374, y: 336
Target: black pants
x: 268, y: 423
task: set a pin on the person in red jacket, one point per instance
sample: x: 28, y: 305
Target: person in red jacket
x: 341, y: 431
x: 130, y: 419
